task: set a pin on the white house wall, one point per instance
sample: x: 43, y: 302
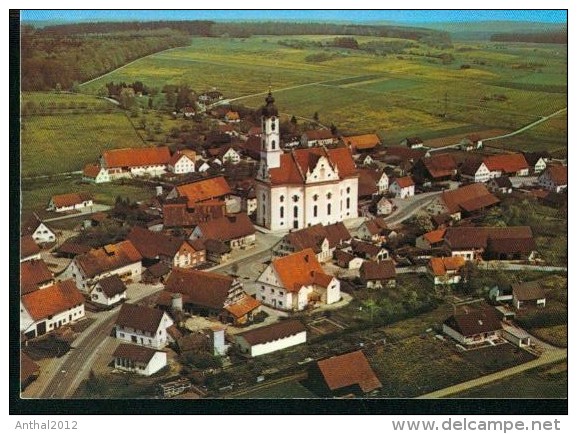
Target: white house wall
x: 60, y: 319
x: 269, y: 347
x: 158, y: 339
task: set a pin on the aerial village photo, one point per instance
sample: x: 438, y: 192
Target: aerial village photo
x: 293, y: 204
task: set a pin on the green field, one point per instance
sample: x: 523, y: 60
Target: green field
x: 396, y: 95
x: 545, y: 382
x: 292, y: 389
x: 65, y: 143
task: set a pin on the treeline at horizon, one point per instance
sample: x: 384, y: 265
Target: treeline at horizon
x: 539, y: 38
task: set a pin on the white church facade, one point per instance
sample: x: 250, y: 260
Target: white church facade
x: 302, y: 187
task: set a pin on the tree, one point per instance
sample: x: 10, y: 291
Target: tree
x: 334, y: 130
x: 294, y: 120
x: 371, y: 305
x: 170, y: 99
x: 316, y: 116
x: 127, y: 98
x: 75, y: 87
x: 58, y: 88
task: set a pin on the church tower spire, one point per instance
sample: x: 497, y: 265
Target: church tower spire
x: 270, y: 151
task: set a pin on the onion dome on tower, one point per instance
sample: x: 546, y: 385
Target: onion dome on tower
x: 269, y: 109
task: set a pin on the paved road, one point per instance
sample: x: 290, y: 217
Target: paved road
x: 407, y: 207
x: 545, y: 359
x: 75, y: 366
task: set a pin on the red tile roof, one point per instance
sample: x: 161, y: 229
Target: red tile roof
x: 28, y: 247
x: 440, y: 266
x: 179, y: 215
x: 475, y: 322
x: 112, y: 286
x: 507, y: 163
x: 72, y: 248
x: 363, y: 142
x: 479, y: 237
x: 133, y: 157
x: 203, y: 190
x: 384, y: 270
x: 28, y: 368
x: 227, y: 228
x: 469, y: 198
x: 242, y: 307
x: 200, y: 288
x: 136, y: 353
x: 295, y: 164
x: 377, y: 226
x: 279, y: 330
x: 32, y: 274
x: 558, y: 174
x: 138, y: 317
x: 404, y: 182
x: 152, y: 245
x: 52, y: 300
x: 91, y: 170
x: 108, y: 258
x: 300, y: 269
x: 435, y: 236
x: 313, y: 236
x: 440, y: 166
x: 348, y: 370
x: 191, y: 155
x: 319, y: 135
x: 70, y: 199
x: 367, y: 183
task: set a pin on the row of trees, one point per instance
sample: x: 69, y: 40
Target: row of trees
x: 539, y: 38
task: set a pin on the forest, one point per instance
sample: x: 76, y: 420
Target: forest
x: 538, y: 38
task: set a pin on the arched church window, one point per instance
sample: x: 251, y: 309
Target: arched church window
x: 281, y: 198
x: 282, y: 212
x: 274, y: 144
x: 315, y: 211
x: 329, y: 195
x: 295, y: 198
x: 348, y: 190
x: 273, y: 124
x: 316, y: 197
x: 296, y: 212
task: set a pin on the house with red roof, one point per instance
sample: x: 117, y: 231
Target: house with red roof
x: 129, y: 162
x: 182, y: 162
x: 431, y: 239
x: 50, y: 308
x: 210, y: 294
x: 362, y: 143
x: 463, y: 201
x: 138, y: 359
x: 95, y: 173
x: 108, y: 291
x: 236, y: 231
x: 474, y: 327
x: 346, y: 375
x: 402, y: 187
x: 121, y: 259
x: 70, y: 202
x: 446, y: 270
x: 507, y: 164
x: 29, y: 250
x: 323, y: 137
x: 143, y: 325
x: 40, y: 231
x: 554, y: 178
x: 302, y: 187
x: 34, y: 275
x: 295, y: 282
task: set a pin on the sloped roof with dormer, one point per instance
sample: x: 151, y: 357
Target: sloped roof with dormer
x: 300, y: 269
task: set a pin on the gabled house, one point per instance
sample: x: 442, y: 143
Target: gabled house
x: 369, y: 251
x: 502, y: 185
x: 134, y: 162
x: 528, y: 293
x: 157, y: 247
x: 121, y: 259
x: 202, y: 191
x: 49, y: 308
x: 362, y: 143
x: 29, y: 250
x: 507, y: 164
x: 156, y: 273
x: 295, y: 282
x: 178, y: 214
x: 274, y: 337
x: 554, y: 178
x: 38, y: 230
x: 211, y: 294
x: 182, y: 162
x: 345, y: 375
x: 232, y: 116
x: 236, y: 231
x: 402, y: 157
x: 216, y: 251
x: 378, y: 274
x: 441, y: 167
x: 374, y: 231
x: 446, y: 271
x: 70, y: 202
x: 378, y: 180
x: 537, y: 161
x: 142, y: 325
x: 347, y: 260
x: 463, y: 201
x: 108, y: 291
x: 474, y: 169
x: 474, y: 328
x: 94, y: 173
x: 321, y: 239
x: 140, y: 360
x: 313, y: 138
x: 34, y: 275
x: 515, y: 242
x: 402, y: 187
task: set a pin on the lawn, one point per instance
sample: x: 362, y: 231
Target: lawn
x: 544, y: 382
x: 63, y: 102
x: 65, y: 143
x: 555, y: 335
x: 396, y: 95
x: 37, y: 193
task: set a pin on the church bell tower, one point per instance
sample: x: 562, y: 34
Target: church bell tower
x: 270, y: 150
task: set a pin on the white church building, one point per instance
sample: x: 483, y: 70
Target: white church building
x: 302, y: 187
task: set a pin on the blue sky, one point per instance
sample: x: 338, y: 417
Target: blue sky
x: 414, y: 16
